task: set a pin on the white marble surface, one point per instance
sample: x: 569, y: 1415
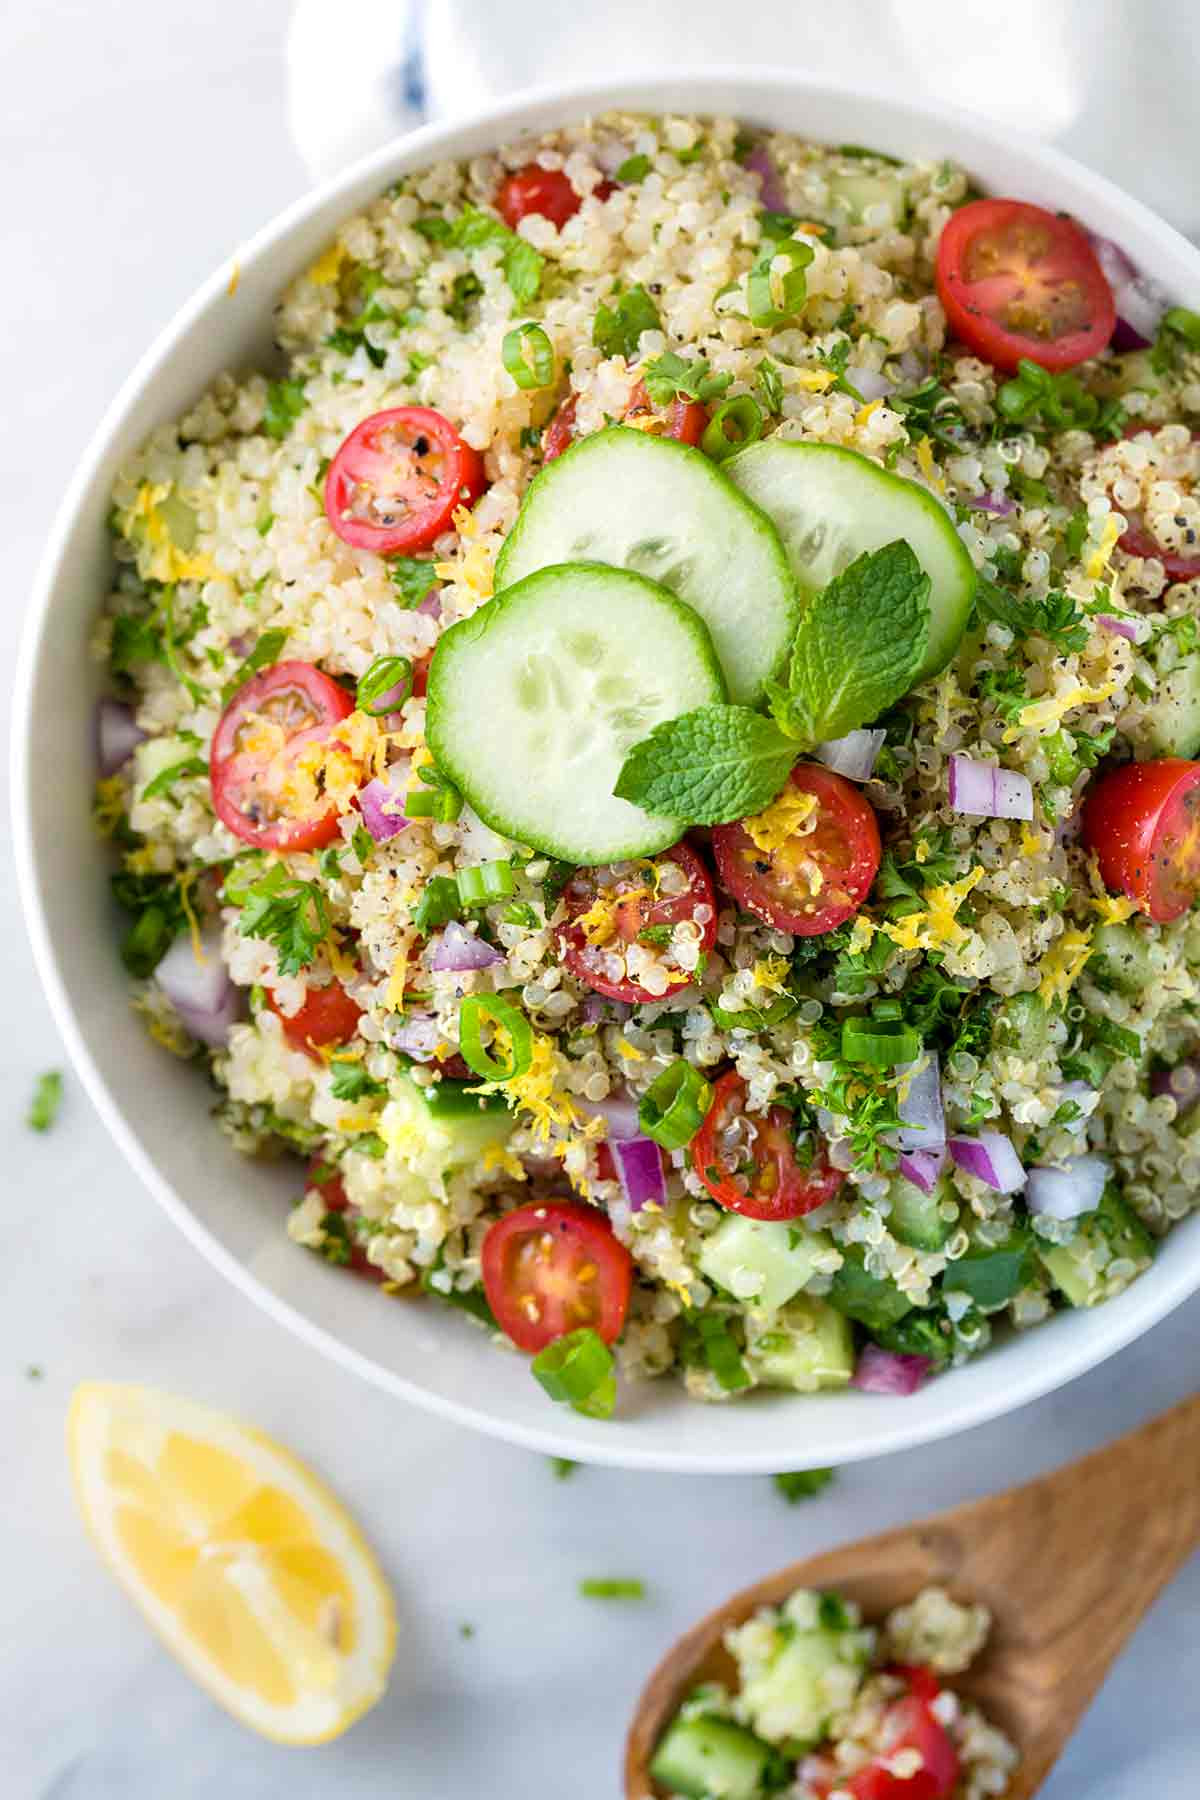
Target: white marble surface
x: 139, y: 143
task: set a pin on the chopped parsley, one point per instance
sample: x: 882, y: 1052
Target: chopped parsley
x: 349, y: 1080
x: 1040, y: 400
x: 412, y: 577
x: 266, y: 651
x: 563, y: 1467
x: 286, y: 912
x: 669, y: 376
x: 1005, y: 690
x: 634, y: 168
x: 156, y: 902
x: 769, y: 383
x: 47, y: 1098
x: 165, y: 780
x: 1054, y: 616
x: 286, y: 400
x: 802, y: 1484
x: 618, y: 328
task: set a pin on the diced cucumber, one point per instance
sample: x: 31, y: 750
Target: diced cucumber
x: 1123, y: 953
x: 783, y: 1255
x: 702, y: 1758
x: 874, y: 1301
x: 536, y: 700
x: 806, y: 1346
x: 434, y: 1137
x: 884, y: 196
x: 456, y: 1101
x: 1081, y: 1270
x: 832, y: 504
x: 814, y: 1674
x: 151, y: 758
x: 1023, y: 1025
x: 916, y: 1217
x: 665, y: 511
x: 991, y: 1274
x: 1173, y: 727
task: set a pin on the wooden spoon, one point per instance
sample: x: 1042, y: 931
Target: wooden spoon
x: 1067, y: 1566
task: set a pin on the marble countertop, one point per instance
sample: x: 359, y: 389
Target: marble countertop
x: 140, y: 143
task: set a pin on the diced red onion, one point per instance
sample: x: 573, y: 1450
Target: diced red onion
x: 201, y: 991
x: 117, y: 737
x: 417, y: 1035
x: 853, y: 755
x: 922, y: 1167
x: 770, y: 192
x: 1127, y: 627
x: 924, y: 1123
x: 242, y: 643
x: 619, y: 1112
x: 988, y: 792
x: 991, y: 1158
x: 1182, y: 1083
x: 1140, y: 302
x: 640, y: 1169
x: 381, y: 803
x: 458, y: 949
x: 998, y: 504
x: 872, y: 384
x: 596, y: 1008
x: 888, y: 1372
x: 1066, y: 1193
x: 431, y: 605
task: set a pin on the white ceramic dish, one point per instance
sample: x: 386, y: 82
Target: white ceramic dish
x: 158, y: 1109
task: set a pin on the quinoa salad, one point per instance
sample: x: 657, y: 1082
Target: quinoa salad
x: 827, y: 1708
x: 655, y: 751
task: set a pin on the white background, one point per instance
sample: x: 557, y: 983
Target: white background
x: 140, y: 143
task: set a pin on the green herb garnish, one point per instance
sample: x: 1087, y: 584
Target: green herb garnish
x: 286, y: 400
x: 610, y: 1587
x: 618, y: 328
x: 287, y: 913
x: 579, y: 1371
x: 265, y: 652
x: 47, y: 1098
x: 802, y: 1484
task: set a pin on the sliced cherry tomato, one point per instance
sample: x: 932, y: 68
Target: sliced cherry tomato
x: 682, y: 419
x: 1016, y: 280
x: 328, y: 1016
x: 910, y: 1724
x: 748, y: 1161
x: 559, y: 434
x: 395, y: 483
x: 556, y: 1267
x: 820, y: 875
x: 1143, y: 823
x: 537, y: 190
x: 254, y: 748
x: 329, y: 1184
x: 1138, y: 540
x: 420, y: 676
x: 624, y: 902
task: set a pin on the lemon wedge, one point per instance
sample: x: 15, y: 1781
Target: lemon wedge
x: 244, y: 1562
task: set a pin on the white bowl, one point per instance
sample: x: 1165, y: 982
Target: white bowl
x: 158, y: 1110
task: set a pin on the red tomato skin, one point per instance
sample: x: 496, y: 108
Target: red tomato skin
x: 699, y: 892
x: 1135, y: 540
x: 910, y: 1725
x: 328, y: 1016
x: 1131, y: 817
x: 964, y: 303
x: 461, y: 483
x: 332, y: 1190
x: 793, y: 1191
x: 537, y: 190
x: 227, y: 764
x: 740, y: 865
x: 577, y: 1235
x: 559, y: 434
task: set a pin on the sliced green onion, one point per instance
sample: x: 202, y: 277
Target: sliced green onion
x: 735, y: 423
x: 520, y: 913
x: 773, y: 298
x: 883, y: 1042
x: 503, y: 1015
x: 444, y: 804
x: 721, y: 1353
x: 377, y: 689
x: 528, y: 355
x: 578, y: 1370
x: 753, y: 1018
x: 675, y: 1105
x: 484, y: 883
x: 612, y: 1587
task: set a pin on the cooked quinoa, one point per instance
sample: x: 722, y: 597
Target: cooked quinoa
x: 1050, y: 1001
x: 821, y: 1699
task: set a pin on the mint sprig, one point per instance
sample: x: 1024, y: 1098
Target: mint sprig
x: 857, y: 650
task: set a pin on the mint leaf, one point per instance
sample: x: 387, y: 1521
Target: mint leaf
x: 709, y: 766
x: 858, y: 648
x: 475, y: 229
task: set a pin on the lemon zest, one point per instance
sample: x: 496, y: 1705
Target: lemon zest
x: 861, y: 933
x: 770, y: 829
x: 1051, y: 708
x: 815, y: 380
x: 629, y: 1051
x: 1114, y: 909
x: 328, y: 266
x: 771, y: 972
x: 927, y: 466
x: 936, y: 927
x: 109, y: 807
x: 1102, y: 554
x: 1064, y: 963
x: 866, y: 412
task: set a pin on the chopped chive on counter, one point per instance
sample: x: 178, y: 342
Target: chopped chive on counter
x: 47, y: 1098
x: 802, y: 1484
x: 466, y: 1631
x: 563, y: 1467
x: 612, y: 1587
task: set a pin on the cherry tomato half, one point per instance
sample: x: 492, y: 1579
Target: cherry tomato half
x: 559, y: 434
x: 821, y: 874
x: 748, y: 1161
x: 556, y: 1267
x: 329, y: 1184
x: 910, y: 1724
x: 1016, y: 280
x: 254, y: 748
x: 1138, y: 540
x: 1143, y: 823
x: 644, y: 897
x: 395, y: 483
x: 537, y: 190
x: 683, y: 420
x: 328, y: 1016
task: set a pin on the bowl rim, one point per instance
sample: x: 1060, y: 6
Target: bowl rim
x: 748, y: 90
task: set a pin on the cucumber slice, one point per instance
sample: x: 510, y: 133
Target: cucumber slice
x: 782, y: 1256
x: 654, y: 506
x: 1082, y: 1269
x: 806, y: 1345
x: 711, y: 1759
x: 1126, y: 956
x: 1173, y: 728
x: 536, y: 700
x: 831, y: 505
x: 884, y: 195
x: 916, y: 1217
